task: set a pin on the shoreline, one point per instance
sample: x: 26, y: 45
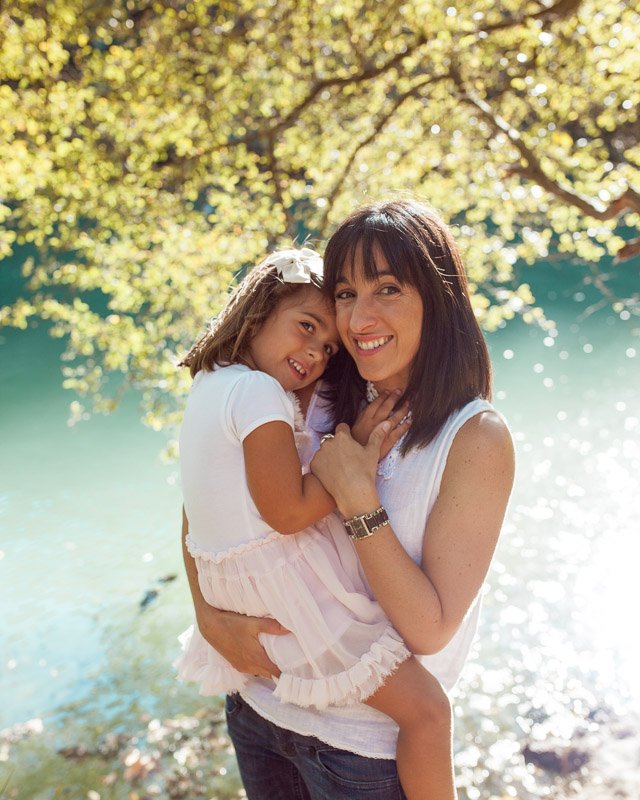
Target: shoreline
x: 192, y: 757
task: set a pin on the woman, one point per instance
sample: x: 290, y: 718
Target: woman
x: 405, y: 319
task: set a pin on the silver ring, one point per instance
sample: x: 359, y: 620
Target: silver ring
x: 326, y: 436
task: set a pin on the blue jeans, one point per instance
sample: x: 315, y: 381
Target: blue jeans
x: 278, y: 764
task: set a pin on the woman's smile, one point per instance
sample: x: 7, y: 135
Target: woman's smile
x: 371, y: 346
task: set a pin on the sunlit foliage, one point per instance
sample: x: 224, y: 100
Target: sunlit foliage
x: 149, y: 149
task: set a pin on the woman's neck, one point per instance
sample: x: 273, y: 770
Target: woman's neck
x: 375, y: 389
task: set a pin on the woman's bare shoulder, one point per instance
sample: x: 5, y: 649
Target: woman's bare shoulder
x: 484, y: 439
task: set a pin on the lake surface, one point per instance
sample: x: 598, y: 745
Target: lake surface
x: 89, y: 523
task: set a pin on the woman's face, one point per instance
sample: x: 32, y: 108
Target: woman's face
x: 380, y: 323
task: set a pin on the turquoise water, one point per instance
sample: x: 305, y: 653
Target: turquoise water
x: 89, y: 522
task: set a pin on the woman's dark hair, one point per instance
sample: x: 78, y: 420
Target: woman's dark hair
x: 228, y: 337
x: 452, y: 364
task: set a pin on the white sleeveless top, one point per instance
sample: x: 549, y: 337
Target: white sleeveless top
x: 408, y: 487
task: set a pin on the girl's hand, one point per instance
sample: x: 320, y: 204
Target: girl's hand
x: 376, y: 412
x: 235, y: 637
x: 348, y: 470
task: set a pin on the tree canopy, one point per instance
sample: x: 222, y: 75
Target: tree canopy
x: 150, y: 149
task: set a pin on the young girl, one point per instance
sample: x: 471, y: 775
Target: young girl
x: 245, y: 496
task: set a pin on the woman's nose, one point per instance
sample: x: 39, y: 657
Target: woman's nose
x: 362, y: 316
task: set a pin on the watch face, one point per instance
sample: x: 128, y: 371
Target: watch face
x: 359, y: 528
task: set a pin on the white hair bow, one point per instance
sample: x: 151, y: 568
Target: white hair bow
x: 297, y: 266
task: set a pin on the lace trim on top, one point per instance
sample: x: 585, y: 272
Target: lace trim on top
x: 299, y: 424
x: 240, y: 549
x: 386, y: 465
x: 301, y: 432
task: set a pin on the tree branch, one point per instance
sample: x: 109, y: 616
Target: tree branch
x: 362, y: 59
x: 365, y: 75
x: 275, y: 173
x: 627, y: 251
x: 380, y: 123
x: 547, y: 15
x: 326, y: 83
x: 532, y: 169
x: 599, y: 280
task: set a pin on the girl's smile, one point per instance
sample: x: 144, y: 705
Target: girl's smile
x: 295, y: 342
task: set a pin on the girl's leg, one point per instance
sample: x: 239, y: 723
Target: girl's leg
x: 416, y: 701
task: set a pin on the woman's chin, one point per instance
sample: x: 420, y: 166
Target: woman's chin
x: 376, y: 375
x: 368, y: 374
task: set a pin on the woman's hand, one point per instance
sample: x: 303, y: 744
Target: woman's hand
x: 376, y: 412
x: 235, y: 637
x: 348, y: 470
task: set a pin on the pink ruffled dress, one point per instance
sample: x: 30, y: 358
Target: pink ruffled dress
x: 341, y: 647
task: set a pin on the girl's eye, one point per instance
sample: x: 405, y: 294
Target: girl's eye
x: 328, y: 348
x: 308, y: 326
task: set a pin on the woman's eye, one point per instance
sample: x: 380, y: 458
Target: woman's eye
x: 345, y: 294
x: 390, y: 289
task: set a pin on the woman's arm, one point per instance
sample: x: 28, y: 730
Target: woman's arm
x: 427, y: 603
x: 234, y: 636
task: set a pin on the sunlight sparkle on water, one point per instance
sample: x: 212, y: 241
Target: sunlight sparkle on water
x: 608, y: 586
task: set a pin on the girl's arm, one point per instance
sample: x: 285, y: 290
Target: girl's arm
x: 287, y: 500
x: 234, y: 636
x: 427, y: 603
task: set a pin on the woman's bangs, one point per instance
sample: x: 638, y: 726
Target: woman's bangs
x: 374, y: 240
x: 339, y: 257
x: 363, y: 240
x: 399, y: 255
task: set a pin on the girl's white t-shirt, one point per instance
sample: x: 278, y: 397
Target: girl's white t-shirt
x: 223, y: 408
x: 408, y: 488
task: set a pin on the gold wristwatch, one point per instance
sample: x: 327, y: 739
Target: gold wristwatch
x: 363, y: 525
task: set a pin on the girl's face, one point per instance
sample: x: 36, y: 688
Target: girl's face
x: 380, y: 323
x: 296, y: 341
